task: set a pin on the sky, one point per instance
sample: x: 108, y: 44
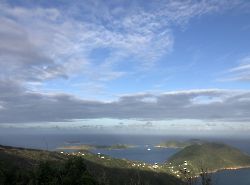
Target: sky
x: 122, y: 65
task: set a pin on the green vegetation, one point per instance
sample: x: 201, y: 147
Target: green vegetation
x: 37, y: 167
x: 179, y: 144
x: 119, y: 146
x: 71, y: 171
x: 212, y: 156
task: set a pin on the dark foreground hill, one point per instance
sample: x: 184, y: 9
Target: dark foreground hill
x: 36, y: 167
x: 210, y: 156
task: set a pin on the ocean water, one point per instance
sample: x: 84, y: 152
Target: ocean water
x: 139, y: 153
x: 52, y: 141
x: 155, y: 155
x: 232, y: 177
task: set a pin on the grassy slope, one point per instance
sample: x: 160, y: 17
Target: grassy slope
x: 106, y: 171
x: 212, y: 156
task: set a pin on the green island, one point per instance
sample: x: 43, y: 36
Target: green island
x: 27, y: 166
x: 93, y: 147
x: 178, y: 144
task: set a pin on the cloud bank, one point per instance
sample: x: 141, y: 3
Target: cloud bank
x: 20, y: 106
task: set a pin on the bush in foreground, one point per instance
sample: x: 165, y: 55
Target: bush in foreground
x: 71, y: 172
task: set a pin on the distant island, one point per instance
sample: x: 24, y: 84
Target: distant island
x: 72, y: 142
x: 178, y: 144
x: 93, y: 147
x: 209, y: 156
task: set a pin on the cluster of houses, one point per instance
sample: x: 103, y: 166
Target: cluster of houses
x: 100, y: 155
x: 143, y: 165
x: 182, y: 168
x: 73, y: 153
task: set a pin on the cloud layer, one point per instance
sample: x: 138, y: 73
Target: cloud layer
x: 39, y: 42
x: 19, y: 106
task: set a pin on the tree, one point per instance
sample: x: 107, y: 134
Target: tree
x: 71, y: 172
x: 206, y: 178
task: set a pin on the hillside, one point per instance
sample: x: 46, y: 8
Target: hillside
x: 27, y: 166
x: 210, y: 156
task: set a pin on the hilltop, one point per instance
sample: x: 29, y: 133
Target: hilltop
x: 210, y: 156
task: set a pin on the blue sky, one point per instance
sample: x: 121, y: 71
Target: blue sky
x: 160, y: 61
x: 199, y: 56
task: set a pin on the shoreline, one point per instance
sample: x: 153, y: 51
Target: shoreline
x: 229, y: 169
x: 224, y: 169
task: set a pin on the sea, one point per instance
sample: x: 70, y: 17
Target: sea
x: 145, y: 150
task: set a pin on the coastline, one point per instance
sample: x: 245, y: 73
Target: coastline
x: 229, y: 168
x: 225, y: 169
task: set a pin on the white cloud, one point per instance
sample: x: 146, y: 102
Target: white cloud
x: 22, y: 106
x: 240, y: 72
x: 57, y: 42
x: 39, y: 43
